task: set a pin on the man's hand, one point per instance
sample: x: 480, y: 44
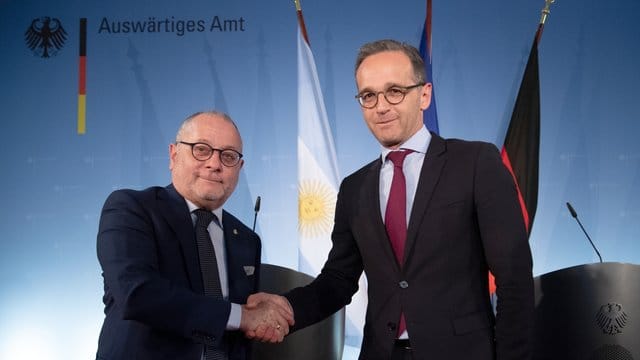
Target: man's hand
x: 266, y: 317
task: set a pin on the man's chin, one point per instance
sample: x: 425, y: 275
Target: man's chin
x: 211, y: 196
x: 386, y: 138
x: 389, y: 143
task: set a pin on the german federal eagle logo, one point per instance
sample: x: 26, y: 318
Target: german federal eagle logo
x: 611, y: 318
x: 45, y: 36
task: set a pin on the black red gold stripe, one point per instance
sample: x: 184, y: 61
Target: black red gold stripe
x: 82, y: 79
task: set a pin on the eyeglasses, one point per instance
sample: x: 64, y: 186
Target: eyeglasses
x: 394, y: 95
x: 204, y: 152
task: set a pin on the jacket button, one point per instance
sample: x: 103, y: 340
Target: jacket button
x: 391, y: 326
x: 403, y: 284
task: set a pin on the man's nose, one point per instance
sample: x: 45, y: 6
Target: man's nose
x: 214, y: 160
x: 382, y: 104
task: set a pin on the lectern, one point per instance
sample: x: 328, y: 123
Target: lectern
x: 321, y: 341
x: 588, y: 312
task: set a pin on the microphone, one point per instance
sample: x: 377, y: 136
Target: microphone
x: 575, y: 216
x: 256, y: 208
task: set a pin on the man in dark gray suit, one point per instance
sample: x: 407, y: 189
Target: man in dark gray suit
x: 459, y: 218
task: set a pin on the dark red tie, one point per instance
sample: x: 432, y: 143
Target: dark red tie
x: 395, y: 218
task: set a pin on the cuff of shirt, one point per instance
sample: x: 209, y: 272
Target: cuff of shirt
x: 234, y: 317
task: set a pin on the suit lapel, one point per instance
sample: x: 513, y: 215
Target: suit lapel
x: 432, y: 166
x: 239, y: 264
x: 176, y: 212
x: 370, y: 198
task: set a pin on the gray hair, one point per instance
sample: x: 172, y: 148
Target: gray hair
x: 190, y: 118
x: 379, y: 46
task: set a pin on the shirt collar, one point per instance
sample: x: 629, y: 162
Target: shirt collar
x: 217, y: 212
x: 418, y: 142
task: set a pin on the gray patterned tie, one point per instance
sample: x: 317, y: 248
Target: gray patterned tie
x: 209, y: 269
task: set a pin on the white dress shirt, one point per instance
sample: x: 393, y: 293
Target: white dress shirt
x: 217, y: 238
x: 411, y: 168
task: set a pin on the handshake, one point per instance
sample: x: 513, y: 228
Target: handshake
x: 266, y: 317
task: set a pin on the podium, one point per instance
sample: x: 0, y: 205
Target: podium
x: 588, y: 312
x: 321, y: 341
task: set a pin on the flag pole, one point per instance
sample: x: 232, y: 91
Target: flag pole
x: 543, y: 18
x: 303, y: 28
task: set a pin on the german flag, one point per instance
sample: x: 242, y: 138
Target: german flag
x: 521, y: 149
x: 82, y: 79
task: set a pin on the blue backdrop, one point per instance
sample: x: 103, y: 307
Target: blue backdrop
x: 240, y: 57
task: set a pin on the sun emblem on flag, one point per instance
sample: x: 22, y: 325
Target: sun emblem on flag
x: 316, y: 204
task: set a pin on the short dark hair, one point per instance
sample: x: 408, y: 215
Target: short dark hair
x: 379, y: 46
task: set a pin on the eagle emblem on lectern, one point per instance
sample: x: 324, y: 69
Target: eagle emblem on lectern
x: 611, y: 318
x: 45, y: 36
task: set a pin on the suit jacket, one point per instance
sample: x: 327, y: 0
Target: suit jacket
x: 153, y: 292
x: 465, y: 220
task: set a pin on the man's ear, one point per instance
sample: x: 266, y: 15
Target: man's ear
x: 425, y: 96
x: 173, y: 151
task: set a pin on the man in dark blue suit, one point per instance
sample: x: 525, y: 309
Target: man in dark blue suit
x: 155, y: 302
x: 459, y: 218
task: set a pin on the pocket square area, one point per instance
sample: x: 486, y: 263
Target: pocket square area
x: 249, y: 270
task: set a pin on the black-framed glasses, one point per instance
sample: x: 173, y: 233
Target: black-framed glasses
x: 204, y: 152
x: 394, y: 95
